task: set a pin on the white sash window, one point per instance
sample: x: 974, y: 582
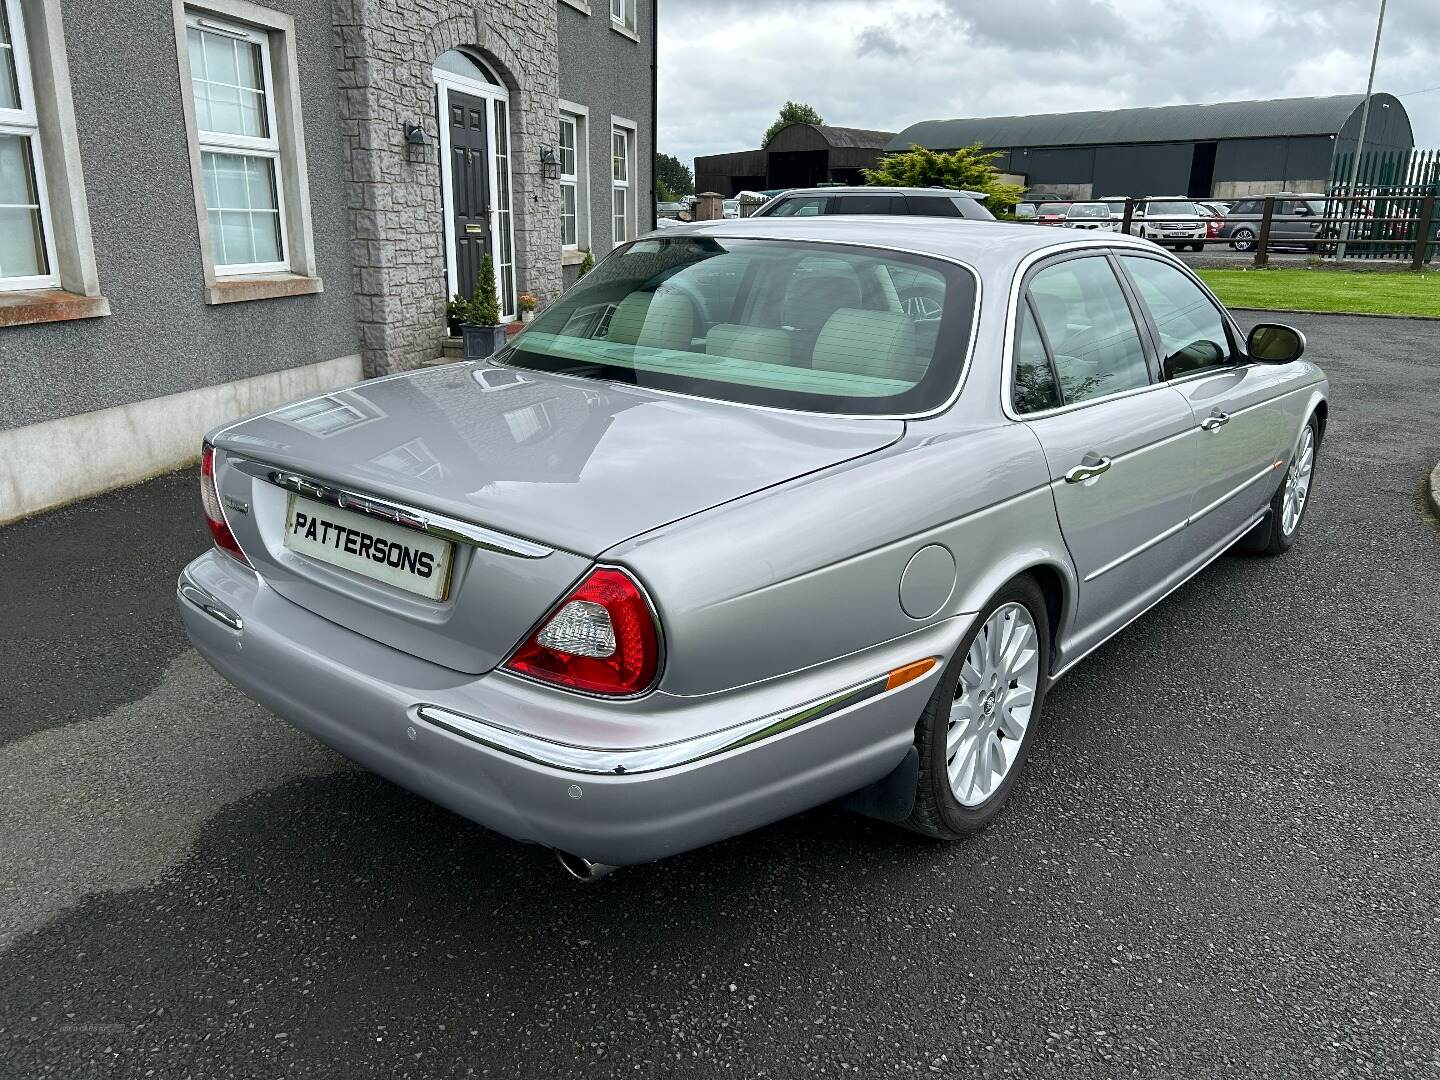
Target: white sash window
x: 27, y: 241
x: 235, y: 126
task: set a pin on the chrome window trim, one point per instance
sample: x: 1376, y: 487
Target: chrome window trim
x: 1007, y: 359
x: 648, y: 759
x: 427, y: 521
x: 949, y: 403
x: 1103, y: 248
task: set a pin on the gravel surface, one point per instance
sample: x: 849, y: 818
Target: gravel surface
x: 1222, y: 861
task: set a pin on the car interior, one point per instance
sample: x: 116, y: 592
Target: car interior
x: 858, y: 319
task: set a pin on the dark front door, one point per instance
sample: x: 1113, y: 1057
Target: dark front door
x: 469, y: 187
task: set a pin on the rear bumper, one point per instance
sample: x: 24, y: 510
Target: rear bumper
x: 463, y: 741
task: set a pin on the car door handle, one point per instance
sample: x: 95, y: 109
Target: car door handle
x: 1088, y: 470
x: 1215, y: 421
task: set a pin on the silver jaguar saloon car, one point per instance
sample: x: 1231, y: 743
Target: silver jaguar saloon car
x: 736, y: 527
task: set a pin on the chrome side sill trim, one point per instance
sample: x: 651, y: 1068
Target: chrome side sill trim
x: 1220, y: 549
x: 595, y: 760
x: 208, y: 604
x: 447, y: 528
x: 1268, y: 470
x: 1146, y: 546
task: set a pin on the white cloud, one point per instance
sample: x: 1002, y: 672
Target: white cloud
x: 726, y: 66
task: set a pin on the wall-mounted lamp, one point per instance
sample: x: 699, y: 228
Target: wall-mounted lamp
x: 549, y: 164
x: 414, y: 142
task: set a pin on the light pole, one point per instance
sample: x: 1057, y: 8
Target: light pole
x: 1364, y: 122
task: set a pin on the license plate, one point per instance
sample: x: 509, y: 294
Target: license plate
x: 364, y: 545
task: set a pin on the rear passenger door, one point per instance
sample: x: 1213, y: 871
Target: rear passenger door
x: 1118, y: 444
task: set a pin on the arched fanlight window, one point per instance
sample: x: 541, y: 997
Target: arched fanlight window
x: 458, y: 63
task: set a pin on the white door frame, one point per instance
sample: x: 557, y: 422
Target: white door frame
x: 445, y: 82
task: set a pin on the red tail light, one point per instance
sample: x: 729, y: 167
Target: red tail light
x: 601, y: 639
x: 214, y: 512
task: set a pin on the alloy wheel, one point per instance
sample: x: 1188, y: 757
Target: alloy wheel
x: 993, y: 704
x: 1297, y: 482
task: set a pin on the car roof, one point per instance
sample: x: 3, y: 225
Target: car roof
x: 982, y: 244
x: 878, y: 190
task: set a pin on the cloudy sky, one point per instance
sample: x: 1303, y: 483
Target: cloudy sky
x: 726, y: 66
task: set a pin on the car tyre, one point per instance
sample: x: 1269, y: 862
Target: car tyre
x: 1276, y: 534
x: 938, y: 812
x: 1243, y: 239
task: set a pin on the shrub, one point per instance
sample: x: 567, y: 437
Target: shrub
x: 968, y: 168
x: 484, y: 306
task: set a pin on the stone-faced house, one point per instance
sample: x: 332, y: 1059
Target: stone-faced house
x: 210, y: 206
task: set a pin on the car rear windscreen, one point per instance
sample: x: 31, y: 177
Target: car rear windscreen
x: 788, y: 324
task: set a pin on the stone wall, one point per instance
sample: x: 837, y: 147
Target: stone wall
x: 385, y: 49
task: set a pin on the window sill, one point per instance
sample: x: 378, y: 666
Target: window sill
x: 236, y: 290
x: 49, y: 305
x: 582, y: 6
x: 625, y: 31
x: 572, y: 258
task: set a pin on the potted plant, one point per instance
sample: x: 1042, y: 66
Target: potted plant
x: 586, y: 265
x: 527, y: 303
x: 484, y: 336
x: 456, y: 309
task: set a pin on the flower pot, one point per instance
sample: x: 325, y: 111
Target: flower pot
x: 482, y: 342
x: 526, y: 316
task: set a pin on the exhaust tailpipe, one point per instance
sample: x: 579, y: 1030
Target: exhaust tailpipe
x: 583, y: 869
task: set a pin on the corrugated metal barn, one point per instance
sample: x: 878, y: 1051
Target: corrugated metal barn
x: 1227, y: 150
x: 798, y: 155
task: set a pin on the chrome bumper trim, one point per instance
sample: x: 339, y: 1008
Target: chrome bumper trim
x: 207, y: 603
x: 447, y: 528
x: 599, y: 761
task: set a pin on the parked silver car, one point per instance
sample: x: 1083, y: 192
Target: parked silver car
x: 1297, y: 216
x: 727, y: 533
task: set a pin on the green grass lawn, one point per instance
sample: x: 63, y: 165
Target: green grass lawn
x: 1399, y: 293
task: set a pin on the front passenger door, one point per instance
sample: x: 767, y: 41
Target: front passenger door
x: 1119, y: 447
x: 1239, y: 446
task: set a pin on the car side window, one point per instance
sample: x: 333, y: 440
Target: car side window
x: 933, y: 205
x: 802, y: 207
x: 1035, y: 386
x: 869, y: 204
x: 1192, y: 331
x: 1092, y: 334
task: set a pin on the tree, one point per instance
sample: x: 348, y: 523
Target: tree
x: 484, y: 308
x: 673, y: 177
x: 792, y: 112
x: 969, y: 168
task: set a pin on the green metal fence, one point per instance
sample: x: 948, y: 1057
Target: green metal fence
x: 1384, y: 210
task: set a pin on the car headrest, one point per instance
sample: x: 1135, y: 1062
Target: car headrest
x: 876, y: 343
x: 765, y: 344
x: 810, y: 299
x: 663, y: 319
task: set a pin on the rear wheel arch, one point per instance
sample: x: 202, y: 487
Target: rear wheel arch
x: 1052, y: 586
